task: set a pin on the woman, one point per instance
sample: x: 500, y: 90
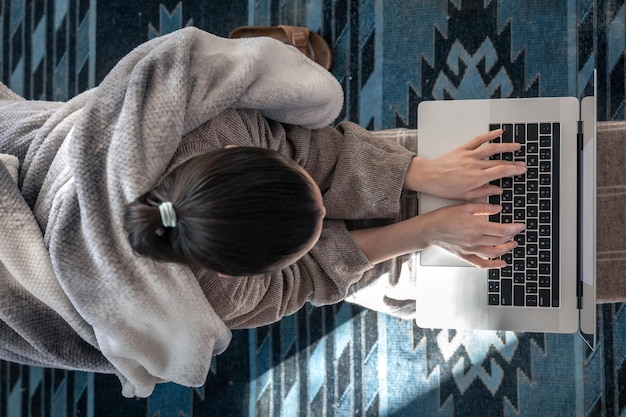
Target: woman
x: 118, y: 165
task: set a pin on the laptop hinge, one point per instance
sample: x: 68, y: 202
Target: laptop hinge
x: 579, y: 268
x: 580, y: 135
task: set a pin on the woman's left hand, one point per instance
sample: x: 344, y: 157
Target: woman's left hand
x: 464, y: 173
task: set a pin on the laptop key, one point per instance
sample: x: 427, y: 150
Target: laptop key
x: 506, y: 292
x: 544, y: 298
x: 518, y: 295
x: 494, y: 299
x: 532, y: 132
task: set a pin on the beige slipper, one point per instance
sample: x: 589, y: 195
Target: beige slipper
x: 309, y: 43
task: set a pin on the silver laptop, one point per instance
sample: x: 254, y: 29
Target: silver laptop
x: 549, y: 282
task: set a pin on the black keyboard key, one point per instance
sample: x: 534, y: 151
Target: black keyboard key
x: 544, y: 269
x: 544, y: 256
x: 520, y: 133
x: 531, y: 275
x: 519, y: 252
x: 544, y: 217
x: 507, y: 136
x: 532, y: 173
x: 531, y: 250
x: 545, y: 128
x: 494, y: 299
x: 532, y: 160
x: 507, y: 183
x: 532, y: 132
x: 531, y: 288
x: 544, y: 298
x: 518, y: 295
x: 494, y: 286
x: 532, y: 185
x: 531, y: 300
x: 545, y: 192
x: 518, y: 277
x: 544, y: 243
x: 506, y: 292
x: 544, y: 205
x: 531, y: 236
x: 545, y: 179
x: 519, y: 215
x: 506, y: 271
x: 545, y: 141
x: 532, y: 148
x: 494, y: 274
x: 532, y: 211
x: 531, y: 262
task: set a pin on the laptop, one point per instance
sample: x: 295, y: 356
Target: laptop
x: 548, y: 284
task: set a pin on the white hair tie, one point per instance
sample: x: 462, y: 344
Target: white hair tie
x: 168, y: 214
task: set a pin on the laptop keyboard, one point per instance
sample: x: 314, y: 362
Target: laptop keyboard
x: 531, y: 275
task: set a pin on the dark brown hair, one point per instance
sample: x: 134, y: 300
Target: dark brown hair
x: 241, y: 211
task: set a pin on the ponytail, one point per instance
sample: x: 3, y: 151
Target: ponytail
x: 239, y: 211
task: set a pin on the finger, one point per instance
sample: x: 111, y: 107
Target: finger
x: 486, y: 190
x: 482, y: 138
x: 488, y: 256
x: 503, y: 170
x: 482, y: 209
x: 489, y: 149
x: 482, y: 262
x: 503, y: 230
x: 488, y: 246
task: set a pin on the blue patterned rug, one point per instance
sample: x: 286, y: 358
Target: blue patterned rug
x: 342, y: 360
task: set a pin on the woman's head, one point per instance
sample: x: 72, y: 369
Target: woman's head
x: 239, y: 211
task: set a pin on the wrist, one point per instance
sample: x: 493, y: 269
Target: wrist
x: 380, y: 244
x: 417, y: 174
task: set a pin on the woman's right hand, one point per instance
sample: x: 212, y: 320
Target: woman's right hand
x: 465, y: 230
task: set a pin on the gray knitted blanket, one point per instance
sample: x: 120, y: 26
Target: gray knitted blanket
x: 72, y: 294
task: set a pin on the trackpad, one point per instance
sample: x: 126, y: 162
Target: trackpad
x: 435, y: 256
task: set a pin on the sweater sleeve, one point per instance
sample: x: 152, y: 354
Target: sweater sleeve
x: 360, y: 174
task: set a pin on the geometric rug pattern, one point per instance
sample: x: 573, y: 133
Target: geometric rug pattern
x: 389, y: 55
